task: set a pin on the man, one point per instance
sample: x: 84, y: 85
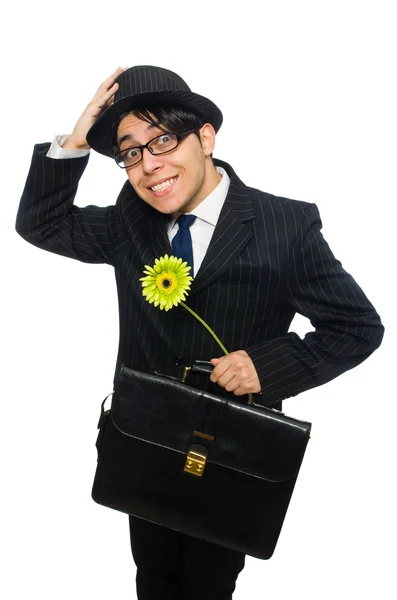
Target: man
x: 257, y: 260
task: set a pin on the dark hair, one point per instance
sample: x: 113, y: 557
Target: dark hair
x: 172, y: 118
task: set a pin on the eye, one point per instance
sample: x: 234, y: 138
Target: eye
x: 164, y: 139
x: 131, y: 153
x: 163, y: 143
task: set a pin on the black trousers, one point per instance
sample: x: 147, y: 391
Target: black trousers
x: 174, y: 566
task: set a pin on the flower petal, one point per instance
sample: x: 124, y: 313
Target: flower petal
x: 167, y: 282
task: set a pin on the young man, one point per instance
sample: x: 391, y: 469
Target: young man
x: 257, y: 260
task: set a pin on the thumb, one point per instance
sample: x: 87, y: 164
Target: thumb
x: 216, y: 361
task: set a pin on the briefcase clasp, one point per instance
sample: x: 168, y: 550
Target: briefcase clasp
x: 196, y: 460
x: 186, y: 372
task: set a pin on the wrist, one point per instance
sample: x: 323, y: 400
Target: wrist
x: 72, y: 143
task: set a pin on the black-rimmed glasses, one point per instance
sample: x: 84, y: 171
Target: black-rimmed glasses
x: 161, y: 144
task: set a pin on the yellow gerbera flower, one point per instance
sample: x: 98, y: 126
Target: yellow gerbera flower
x: 166, y: 283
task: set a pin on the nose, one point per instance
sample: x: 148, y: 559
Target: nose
x: 151, y: 162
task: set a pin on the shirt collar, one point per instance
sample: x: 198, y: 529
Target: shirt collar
x: 209, y: 209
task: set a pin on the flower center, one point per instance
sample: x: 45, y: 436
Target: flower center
x: 166, y: 282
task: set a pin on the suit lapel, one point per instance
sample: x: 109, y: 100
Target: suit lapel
x: 232, y: 232
x: 160, y: 242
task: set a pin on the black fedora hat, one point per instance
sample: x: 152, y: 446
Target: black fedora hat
x: 143, y: 87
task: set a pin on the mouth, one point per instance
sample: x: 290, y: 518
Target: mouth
x: 164, y: 187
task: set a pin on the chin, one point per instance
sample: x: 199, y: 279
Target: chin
x: 165, y: 210
x: 168, y: 207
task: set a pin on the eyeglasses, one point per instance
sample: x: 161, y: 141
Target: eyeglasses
x: 161, y: 144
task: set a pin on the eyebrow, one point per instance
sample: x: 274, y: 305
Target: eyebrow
x: 128, y: 136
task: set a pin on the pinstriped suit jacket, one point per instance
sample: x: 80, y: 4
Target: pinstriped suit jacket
x: 266, y: 261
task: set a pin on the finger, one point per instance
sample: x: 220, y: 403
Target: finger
x: 232, y: 385
x: 99, y: 102
x: 109, y: 81
x: 226, y: 379
x: 216, y: 361
x: 248, y: 386
x: 219, y: 370
x: 108, y: 95
x: 100, y: 99
x: 240, y: 391
x: 110, y: 101
x: 114, y: 76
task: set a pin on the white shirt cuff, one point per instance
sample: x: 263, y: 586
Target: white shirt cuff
x: 56, y: 150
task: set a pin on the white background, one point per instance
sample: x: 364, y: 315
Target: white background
x: 307, y: 92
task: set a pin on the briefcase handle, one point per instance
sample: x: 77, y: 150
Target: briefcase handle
x: 202, y: 367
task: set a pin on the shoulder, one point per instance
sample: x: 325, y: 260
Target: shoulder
x: 288, y: 208
x: 264, y: 200
x: 270, y: 206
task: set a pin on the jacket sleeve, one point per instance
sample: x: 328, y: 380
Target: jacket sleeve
x: 347, y: 327
x: 48, y: 219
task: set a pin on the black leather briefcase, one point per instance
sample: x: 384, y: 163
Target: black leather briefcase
x: 204, y: 465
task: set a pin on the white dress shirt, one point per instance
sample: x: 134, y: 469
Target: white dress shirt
x: 206, y: 213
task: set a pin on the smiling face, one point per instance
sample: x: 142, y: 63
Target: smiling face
x: 175, y: 182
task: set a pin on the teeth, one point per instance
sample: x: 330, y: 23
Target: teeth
x: 163, y: 186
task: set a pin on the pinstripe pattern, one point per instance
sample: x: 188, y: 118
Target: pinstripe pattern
x: 266, y: 261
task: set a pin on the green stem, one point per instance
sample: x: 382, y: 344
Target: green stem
x: 213, y: 335
x: 206, y: 326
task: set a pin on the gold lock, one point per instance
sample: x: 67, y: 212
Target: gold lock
x: 195, y: 460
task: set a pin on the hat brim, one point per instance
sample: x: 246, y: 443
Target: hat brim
x: 99, y: 137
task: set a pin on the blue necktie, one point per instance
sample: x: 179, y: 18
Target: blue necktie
x: 182, y: 241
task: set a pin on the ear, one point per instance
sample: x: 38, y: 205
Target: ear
x: 207, y: 136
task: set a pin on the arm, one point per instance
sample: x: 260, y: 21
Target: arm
x: 347, y: 327
x: 47, y: 217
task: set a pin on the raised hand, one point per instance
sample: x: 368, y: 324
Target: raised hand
x: 103, y: 98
